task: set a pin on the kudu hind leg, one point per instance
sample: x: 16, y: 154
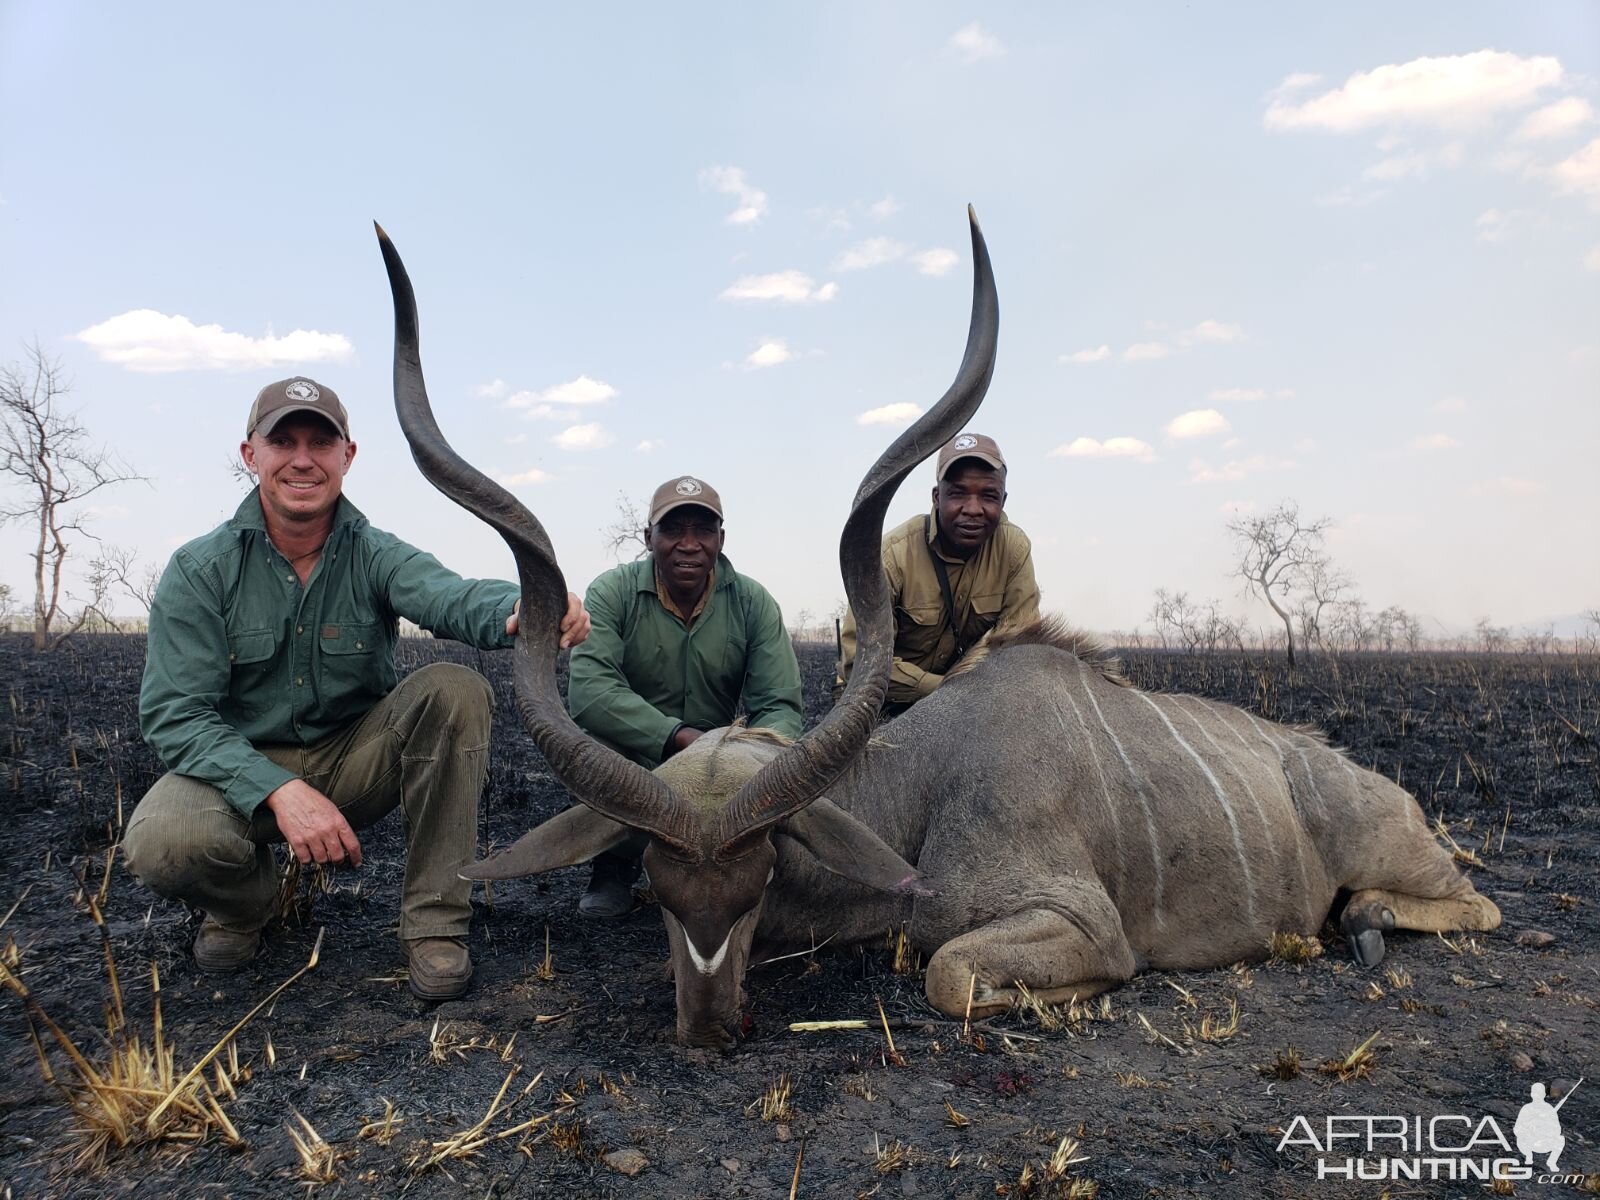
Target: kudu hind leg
x: 1372, y: 912
x: 1057, y: 958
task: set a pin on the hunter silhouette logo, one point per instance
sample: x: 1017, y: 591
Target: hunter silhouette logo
x: 1450, y: 1146
x: 1538, y: 1127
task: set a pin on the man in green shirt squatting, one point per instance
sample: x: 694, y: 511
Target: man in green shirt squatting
x: 271, y: 696
x: 679, y: 640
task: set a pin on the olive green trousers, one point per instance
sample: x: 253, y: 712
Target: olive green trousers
x: 424, y: 748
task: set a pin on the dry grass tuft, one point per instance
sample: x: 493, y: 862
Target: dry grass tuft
x: 1293, y: 948
x: 773, y: 1104
x: 470, y: 1141
x: 1063, y: 1158
x: 896, y: 1156
x: 1398, y: 977
x: 1130, y: 1079
x: 317, y: 1157
x: 135, y: 1096
x: 1357, y: 1064
x: 546, y: 970
x: 382, y: 1129
x: 954, y: 1119
x: 1285, y: 1066
x: 1216, y: 1029
x: 907, y: 959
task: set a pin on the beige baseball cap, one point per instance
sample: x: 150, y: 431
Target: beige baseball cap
x: 684, y: 490
x: 299, y: 394
x: 970, y: 445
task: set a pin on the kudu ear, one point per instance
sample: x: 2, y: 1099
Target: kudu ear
x: 574, y: 836
x: 848, y: 848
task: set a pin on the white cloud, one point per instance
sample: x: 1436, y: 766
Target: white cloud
x: 561, y: 401
x: 514, y: 439
x: 1449, y: 92
x: 1450, y: 404
x: 886, y: 208
x: 890, y: 414
x: 1434, y: 441
x: 1098, y: 354
x: 1238, y: 395
x: 492, y: 391
x: 1199, y: 422
x: 1116, y: 447
x: 646, y: 446
x: 1591, y: 260
x: 730, y: 181
x: 1509, y: 486
x: 1234, y: 470
x: 523, y: 478
x: 146, y: 340
x: 1414, y: 164
x: 1210, y: 331
x: 973, y: 43
x: 873, y: 252
x: 1145, y: 351
x: 1494, y: 226
x: 935, y: 261
x: 1556, y: 120
x: 583, y: 437
x: 787, y: 287
x: 1579, y: 173
x: 770, y: 353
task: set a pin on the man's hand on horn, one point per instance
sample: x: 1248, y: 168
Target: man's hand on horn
x: 574, y: 626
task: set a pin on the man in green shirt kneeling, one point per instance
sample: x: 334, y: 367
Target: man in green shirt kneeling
x: 679, y: 640
x: 271, y: 696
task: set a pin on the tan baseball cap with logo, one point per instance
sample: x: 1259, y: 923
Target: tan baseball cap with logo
x: 970, y: 445
x: 299, y: 394
x: 681, y: 491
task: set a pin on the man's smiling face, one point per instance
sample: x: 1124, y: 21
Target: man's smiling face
x: 301, y: 466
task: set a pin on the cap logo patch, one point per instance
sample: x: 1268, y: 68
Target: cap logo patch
x: 965, y: 442
x: 302, y: 392
x: 688, y: 487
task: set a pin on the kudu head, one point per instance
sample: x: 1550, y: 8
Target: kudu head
x: 710, y: 811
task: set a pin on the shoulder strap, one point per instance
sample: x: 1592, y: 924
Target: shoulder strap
x: 944, y: 584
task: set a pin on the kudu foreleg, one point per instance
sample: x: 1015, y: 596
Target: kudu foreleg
x: 1058, y: 954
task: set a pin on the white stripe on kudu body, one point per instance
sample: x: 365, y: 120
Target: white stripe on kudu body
x: 1112, y: 816
x: 1136, y: 781
x: 1222, y: 799
x: 1277, y: 844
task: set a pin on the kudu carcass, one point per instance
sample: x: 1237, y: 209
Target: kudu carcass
x: 1067, y: 830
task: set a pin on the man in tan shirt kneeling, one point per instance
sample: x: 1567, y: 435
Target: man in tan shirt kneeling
x: 956, y: 574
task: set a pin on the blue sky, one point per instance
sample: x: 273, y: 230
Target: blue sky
x: 1345, y: 255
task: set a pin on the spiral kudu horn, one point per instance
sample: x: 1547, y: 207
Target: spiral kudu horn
x: 800, y: 773
x: 596, y: 775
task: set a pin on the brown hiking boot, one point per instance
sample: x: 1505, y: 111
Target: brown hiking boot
x: 221, y: 951
x: 440, y: 967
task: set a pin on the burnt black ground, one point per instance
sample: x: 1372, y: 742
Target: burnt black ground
x: 1472, y: 737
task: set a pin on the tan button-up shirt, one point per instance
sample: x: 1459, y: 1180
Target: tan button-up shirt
x: 993, y: 590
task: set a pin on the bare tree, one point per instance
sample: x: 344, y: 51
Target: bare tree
x: 1491, y: 638
x: 46, y: 451
x: 8, y: 606
x: 1324, y: 585
x: 119, y: 568
x: 1592, y: 615
x: 1276, y: 553
x: 624, y: 537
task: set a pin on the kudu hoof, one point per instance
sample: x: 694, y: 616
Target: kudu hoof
x: 1366, y: 947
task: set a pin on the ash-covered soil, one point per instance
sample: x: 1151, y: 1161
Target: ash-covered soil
x: 1163, y: 1093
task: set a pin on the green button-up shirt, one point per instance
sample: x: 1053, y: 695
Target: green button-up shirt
x: 241, y: 655
x: 642, y: 673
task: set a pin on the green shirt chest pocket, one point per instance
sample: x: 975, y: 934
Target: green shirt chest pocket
x: 985, y: 615
x: 251, y: 655
x: 353, y: 672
